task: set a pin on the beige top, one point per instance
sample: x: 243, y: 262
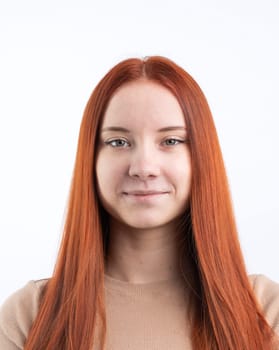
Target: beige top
x: 146, y: 316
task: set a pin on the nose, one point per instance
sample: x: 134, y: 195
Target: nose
x: 144, y: 164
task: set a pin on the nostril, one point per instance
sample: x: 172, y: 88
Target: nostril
x: 144, y: 171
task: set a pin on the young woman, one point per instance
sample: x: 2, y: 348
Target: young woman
x: 150, y: 257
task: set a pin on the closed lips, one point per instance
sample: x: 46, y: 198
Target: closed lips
x: 144, y: 193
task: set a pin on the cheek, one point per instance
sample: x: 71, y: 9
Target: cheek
x: 102, y: 173
x: 182, y: 177
x: 181, y: 173
x: 108, y: 173
x: 181, y: 168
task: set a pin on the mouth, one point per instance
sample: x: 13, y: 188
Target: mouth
x: 145, y: 196
x: 144, y: 193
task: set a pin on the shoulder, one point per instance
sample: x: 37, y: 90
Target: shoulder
x: 18, y: 313
x: 267, y: 294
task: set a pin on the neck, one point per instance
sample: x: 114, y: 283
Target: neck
x: 142, y: 255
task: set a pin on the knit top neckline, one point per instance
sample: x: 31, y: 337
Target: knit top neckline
x: 163, y: 287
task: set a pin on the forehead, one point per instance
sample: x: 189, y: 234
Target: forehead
x: 143, y: 103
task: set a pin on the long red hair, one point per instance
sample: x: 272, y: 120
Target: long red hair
x: 225, y: 314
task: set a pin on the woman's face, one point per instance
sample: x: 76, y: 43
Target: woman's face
x: 143, y: 163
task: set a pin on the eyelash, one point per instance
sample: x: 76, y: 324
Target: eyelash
x: 110, y: 142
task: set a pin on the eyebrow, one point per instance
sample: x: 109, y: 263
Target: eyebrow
x: 119, y: 128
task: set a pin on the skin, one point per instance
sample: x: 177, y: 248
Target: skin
x: 143, y: 173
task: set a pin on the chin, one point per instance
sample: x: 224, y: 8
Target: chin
x: 143, y: 224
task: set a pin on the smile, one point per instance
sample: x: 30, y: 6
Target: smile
x: 144, y: 195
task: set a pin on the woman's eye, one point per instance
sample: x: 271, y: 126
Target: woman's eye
x: 117, y: 143
x: 172, y: 141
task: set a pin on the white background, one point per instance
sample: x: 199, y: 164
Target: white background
x: 52, y: 55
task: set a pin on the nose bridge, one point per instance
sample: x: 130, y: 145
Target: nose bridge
x: 144, y: 161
